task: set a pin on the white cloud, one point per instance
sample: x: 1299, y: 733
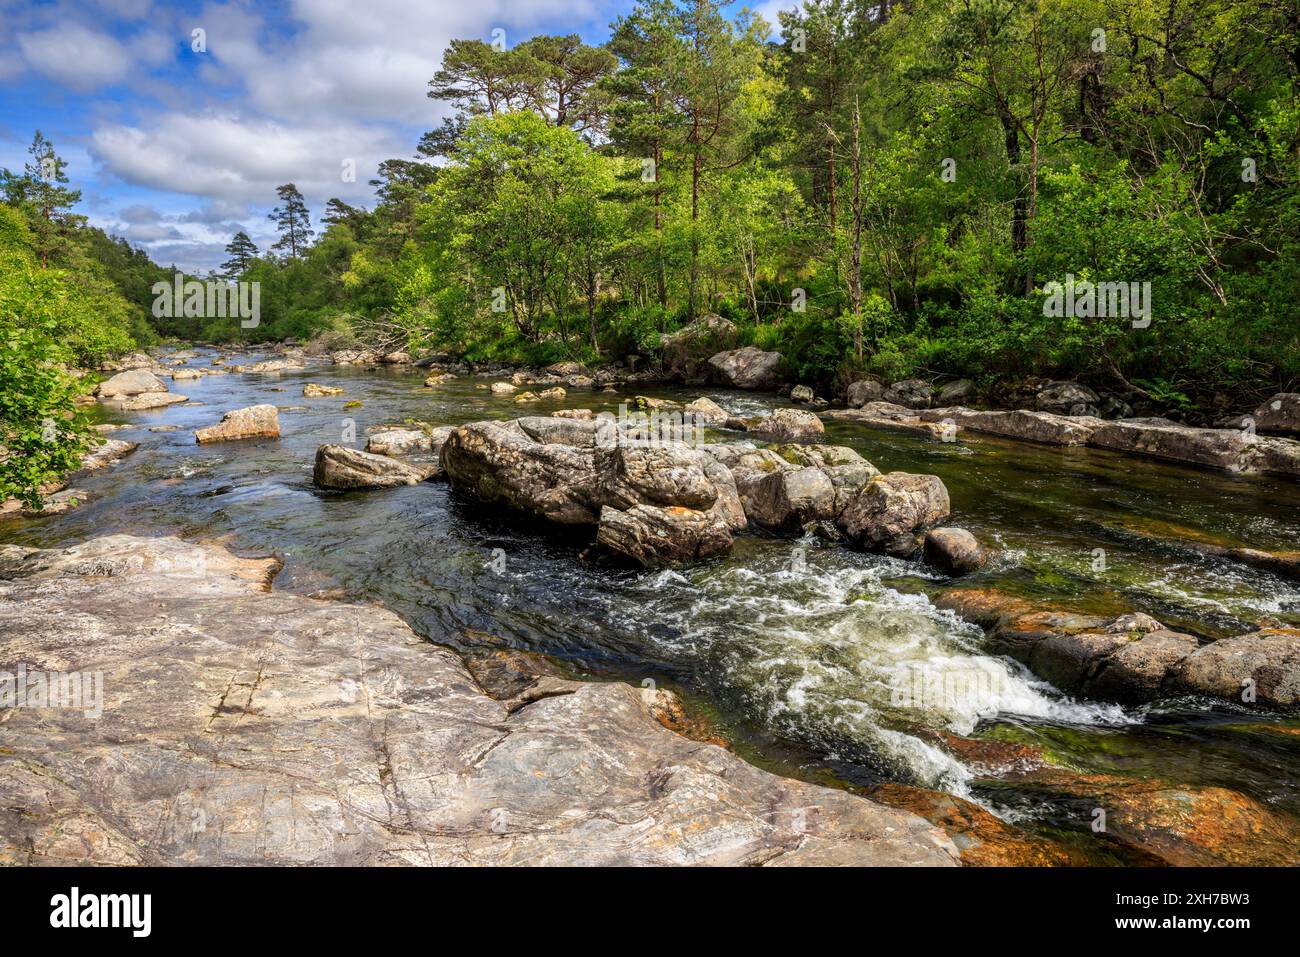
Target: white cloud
x: 76, y: 57
x: 237, y: 160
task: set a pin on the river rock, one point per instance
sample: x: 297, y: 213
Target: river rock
x: 685, y: 353
x: 955, y: 393
x: 911, y: 393
x: 789, y: 499
x: 1067, y: 398
x: 105, y: 454
x: 254, y: 422
x: 313, y: 390
x: 954, y: 550
x: 863, y: 391
x: 789, y: 425
x: 1130, y: 659
x: 890, y: 511
x: 707, y: 412
x: 438, y: 378
x: 150, y: 400
x: 652, y: 536
x: 1216, y: 448
x: 130, y: 383
x: 341, y: 467
x: 305, y: 732
x: 565, y: 368
x: 1265, y: 663
x: 802, y: 394
x: 274, y: 366
x: 133, y: 360
x: 180, y: 374
x: 503, y: 388
x: 399, y: 442
x: 748, y: 368
x: 887, y: 415
x: 1045, y: 427
x: 1280, y: 414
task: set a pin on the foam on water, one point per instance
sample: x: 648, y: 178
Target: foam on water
x: 820, y: 649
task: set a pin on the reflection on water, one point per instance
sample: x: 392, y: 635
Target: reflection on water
x: 815, y: 658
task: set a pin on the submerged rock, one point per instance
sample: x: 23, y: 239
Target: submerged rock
x: 313, y: 390
x: 254, y: 422
x: 304, y: 732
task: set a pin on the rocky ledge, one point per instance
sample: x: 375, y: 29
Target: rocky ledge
x: 244, y: 726
x: 1133, y: 658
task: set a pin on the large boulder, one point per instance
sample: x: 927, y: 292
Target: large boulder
x: 685, y: 353
x: 500, y: 463
x: 1262, y: 667
x: 651, y: 536
x: 254, y: 422
x: 341, y: 467
x: 1280, y: 414
x: 789, y: 499
x: 863, y: 391
x: 129, y: 383
x: 274, y: 366
x: 789, y: 425
x: 748, y: 368
x: 891, y: 511
x: 574, y: 471
x: 242, y: 726
x: 1067, y: 398
x: 1045, y: 427
x: 911, y: 393
x: 956, y: 393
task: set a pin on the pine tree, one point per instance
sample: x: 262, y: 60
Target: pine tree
x: 41, y: 193
x: 242, y: 251
x: 292, y: 220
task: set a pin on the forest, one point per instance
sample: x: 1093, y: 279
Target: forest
x: 871, y: 188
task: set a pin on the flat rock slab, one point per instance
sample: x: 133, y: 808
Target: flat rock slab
x: 239, y: 726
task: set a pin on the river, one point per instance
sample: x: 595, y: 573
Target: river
x: 796, y: 650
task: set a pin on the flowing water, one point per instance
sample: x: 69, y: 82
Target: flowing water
x: 812, y: 658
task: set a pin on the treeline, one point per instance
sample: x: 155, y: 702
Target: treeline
x: 886, y: 188
x: 70, y: 297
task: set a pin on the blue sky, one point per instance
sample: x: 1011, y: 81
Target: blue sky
x: 176, y: 150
